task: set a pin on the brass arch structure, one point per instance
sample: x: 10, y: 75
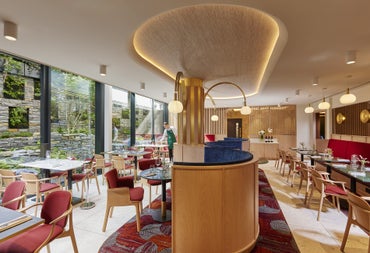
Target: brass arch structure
x: 233, y: 84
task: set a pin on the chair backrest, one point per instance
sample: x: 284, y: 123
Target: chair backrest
x: 99, y: 161
x: 112, y: 178
x: 6, y: 177
x: 13, y: 190
x: 148, y: 156
x: 317, y: 180
x: 360, y: 210
x: 32, y: 183
x: 118, y: 162
x: 55, y: 204
x: 146, y: 163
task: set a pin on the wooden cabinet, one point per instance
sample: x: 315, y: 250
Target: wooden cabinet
x: 261, y: 149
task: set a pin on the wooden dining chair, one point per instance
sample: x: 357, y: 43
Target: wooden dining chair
x: 285, y: 160
x: 295, y: 166
x: 39, y: 187
x: 6, y: 177
x: 120, y: 164
x: 121, y: 192
x: 359, y: 215
x: 56, y: 212
x: 99, y: 163
x: 327, y: 187
x: 14, y: 195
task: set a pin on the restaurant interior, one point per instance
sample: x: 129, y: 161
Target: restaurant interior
x: 268, y: 103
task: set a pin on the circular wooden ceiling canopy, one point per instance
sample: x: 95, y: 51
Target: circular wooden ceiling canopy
x: 214, y: 43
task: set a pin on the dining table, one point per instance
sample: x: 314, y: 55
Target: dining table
x: 163, y: 175
x: 47, y: 165
x: 14, y: 222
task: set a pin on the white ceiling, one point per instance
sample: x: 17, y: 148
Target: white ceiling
x: 79, y: 35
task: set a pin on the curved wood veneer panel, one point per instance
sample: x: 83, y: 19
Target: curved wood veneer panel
x: 215, y: 208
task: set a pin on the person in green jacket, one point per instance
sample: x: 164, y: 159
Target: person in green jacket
x: 171, y: 138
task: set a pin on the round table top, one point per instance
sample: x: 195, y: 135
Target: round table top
x: 157, y: 174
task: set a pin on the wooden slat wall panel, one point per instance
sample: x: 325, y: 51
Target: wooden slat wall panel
x: 281, y: 119
x: 352, y: 125
x: 215, y: 127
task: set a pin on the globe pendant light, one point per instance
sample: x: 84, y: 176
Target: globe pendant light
x: 309, y: 109
x: 347, y: 98
x: 324, y: 105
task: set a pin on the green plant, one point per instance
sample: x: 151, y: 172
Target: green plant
x: 18, y: 117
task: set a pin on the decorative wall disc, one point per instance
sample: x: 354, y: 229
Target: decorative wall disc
x: 364, y: 116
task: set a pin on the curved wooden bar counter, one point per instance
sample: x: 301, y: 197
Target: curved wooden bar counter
x: 215, y: 207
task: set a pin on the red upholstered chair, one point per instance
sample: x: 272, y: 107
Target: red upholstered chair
x: 121, y: 192
x: 56, y: 211
x: 39, y: 187
x: 327, y: 187
x: 144, y: 165
x: 120, y: 164
x: 14, y: 195
x: 359, y: 215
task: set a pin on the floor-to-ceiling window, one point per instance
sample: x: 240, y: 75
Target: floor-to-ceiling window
x: 143, y: 120
x: 19, y: 110
x: 120, y: 119
x: 158, y: 110
x: 72, y: 115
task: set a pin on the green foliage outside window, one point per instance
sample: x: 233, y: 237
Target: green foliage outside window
x: 18, y: 118
x: 14, y: 87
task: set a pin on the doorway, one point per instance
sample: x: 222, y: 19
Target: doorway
x: 320, y: 125
x: 234, y: 128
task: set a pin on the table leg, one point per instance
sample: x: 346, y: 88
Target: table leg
x: 163, y: 203
x: 302, y: 157
x: 69, y: 179
x: 135, y: 169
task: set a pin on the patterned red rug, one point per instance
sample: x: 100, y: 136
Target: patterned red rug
x: 275, y: 235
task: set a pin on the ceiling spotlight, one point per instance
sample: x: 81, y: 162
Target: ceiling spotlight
x: 142, y: 86
x: 324, y: 105
x: 315, y: 81
x: 10, y: 31
x: 297, y: 92
x: 347, y: 98
x: 351, y: 57
x: 164, y: 94
x: 103, y: 70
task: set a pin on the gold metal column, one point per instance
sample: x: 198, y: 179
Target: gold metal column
x: 190, y: 121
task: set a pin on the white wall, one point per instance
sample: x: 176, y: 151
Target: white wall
x: 305, y: 127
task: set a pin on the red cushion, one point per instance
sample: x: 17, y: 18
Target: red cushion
x: 55, y: 204
x: 111, y: 177
x: 339, y: 148
x: 78, y: 177
x: 145, y: 163
x: 44, y: 187
x: 334, y: 189
x: 154, y: 182
x: 136, y: 194
x: 12, y: 191
x: 30, y: 240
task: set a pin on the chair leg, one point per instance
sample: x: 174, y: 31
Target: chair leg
x: 321, y: 204
x: 97, y: 185
x: 107, y: 213
x: 111, y: 212
x: 346, y: 232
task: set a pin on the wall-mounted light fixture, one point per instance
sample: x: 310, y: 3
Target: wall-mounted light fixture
x: 309, y: 109
x: 10, y: 31
x: 351, y: 57
x: 142, y: 86
x: 175, y: 106
x: 340, y: 118
x: 245, y: 110
x: 103, y: 70
x: 347, y: 98
x: 324, y: 105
